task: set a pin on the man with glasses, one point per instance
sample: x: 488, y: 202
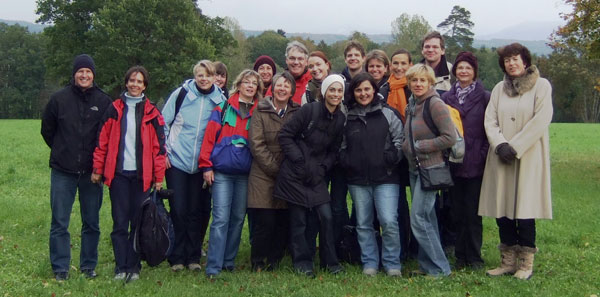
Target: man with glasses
x: 296, y: 59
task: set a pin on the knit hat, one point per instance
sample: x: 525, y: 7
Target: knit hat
x: 84, y: 61
x: 321, y: 55
x: 330, y: 80
x: 265, y: 60
x: 466, y: 57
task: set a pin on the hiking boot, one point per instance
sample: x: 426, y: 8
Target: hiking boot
x: 194, y: 267
x: 335, y: 269
x: 177, y: 267
x: 120, y: 276
x: 526, y: 255
x: 89, y: 273
x: 370, y: 271
x: 61, y: 276
x: 509, y: 260
x: 394, y: 272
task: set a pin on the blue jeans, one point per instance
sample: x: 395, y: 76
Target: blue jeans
x: 423, y: 222
x: 229, y: 193
x: 384, y: 199
x: 63, y: 187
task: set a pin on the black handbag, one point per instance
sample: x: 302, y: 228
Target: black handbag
x: 437, y: 177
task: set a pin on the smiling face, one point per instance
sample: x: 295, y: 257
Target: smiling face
x: 432, y: 51
x: 514, y: 65
x: 266, y: 73
x: 318, y: 68
x: 282, y: 90
x: 465, y: 74
x: 135, y: 84
x: 296, y: 62
x: 377, y: 69
x: 203, y: 79
x: 334, y: 95
x: 419, y: 85
x: 248, y: 87
x: 364, y: 93
x: 220, y: 80
x: 354, y: 59
x: 400, y: 65
x: 84, y: 78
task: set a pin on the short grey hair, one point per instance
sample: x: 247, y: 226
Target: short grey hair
x: 295, y: 44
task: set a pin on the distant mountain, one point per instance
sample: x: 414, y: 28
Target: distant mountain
x: 525, y: 31
x: 32, y: 27
x: 538, y: 47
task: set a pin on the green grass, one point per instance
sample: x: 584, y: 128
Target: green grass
x: 567, y: 264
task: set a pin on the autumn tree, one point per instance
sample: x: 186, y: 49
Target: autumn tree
x: 408, y: 30
x: 582, y: 30
x: 456, y: 29
x: 22, y: 72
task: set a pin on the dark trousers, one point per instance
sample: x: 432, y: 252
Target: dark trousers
x: 190, y: 213
x: 446, y: 222
x: 299, y: 246
x: 126, y: 197
x: 465, y: 203
x: 339, y: 205
x: 270, y: 235
x: 404, y: 224
x: 518, y: 231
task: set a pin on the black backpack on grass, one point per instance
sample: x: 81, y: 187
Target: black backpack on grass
x: 153, y: 235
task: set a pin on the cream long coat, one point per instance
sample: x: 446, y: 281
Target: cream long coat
x: 520, y: 190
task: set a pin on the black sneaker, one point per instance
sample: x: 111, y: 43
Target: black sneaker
x: 61, y: 276
x: 335, y: 269
x: 89, y: 273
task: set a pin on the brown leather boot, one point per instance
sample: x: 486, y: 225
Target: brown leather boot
x: 509, y: 260
x: 526, y: 255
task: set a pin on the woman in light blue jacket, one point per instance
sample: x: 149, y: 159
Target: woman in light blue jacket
x: 186, y: 114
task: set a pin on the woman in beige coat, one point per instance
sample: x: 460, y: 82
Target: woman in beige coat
x: 516, y: 181
x: 269, y: 217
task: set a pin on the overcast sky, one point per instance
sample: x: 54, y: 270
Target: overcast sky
x: 345, y: 16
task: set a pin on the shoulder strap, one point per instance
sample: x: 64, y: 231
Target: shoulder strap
x: 427, y: 117
x: 178, y: 103
x: 223, y: 111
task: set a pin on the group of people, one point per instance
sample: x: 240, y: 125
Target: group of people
x: 285, y: 148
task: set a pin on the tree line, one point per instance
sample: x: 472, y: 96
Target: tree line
x: 169, y: 36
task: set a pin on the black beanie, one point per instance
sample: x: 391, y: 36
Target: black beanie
x: 84, y: 61
x: 469, y: 58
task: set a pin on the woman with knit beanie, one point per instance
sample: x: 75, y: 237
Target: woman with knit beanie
x: 469, y: 97
x: 265, y: 66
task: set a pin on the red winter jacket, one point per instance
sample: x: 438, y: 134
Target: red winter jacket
x: 150, y: 133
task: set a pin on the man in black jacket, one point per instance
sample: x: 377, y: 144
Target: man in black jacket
x: 69, y: 127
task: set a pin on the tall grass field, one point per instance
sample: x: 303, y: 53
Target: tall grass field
x: 567, y: 264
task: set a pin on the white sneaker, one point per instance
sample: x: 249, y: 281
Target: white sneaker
x: 132, y: 277
x: 120, y: 276
x: 370, y: 271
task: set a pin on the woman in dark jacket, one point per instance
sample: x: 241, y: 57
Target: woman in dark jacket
x: 310, y: 142
x: 130, y: 155
x: 370, y: 155
x: 469, y: 97
x: 269, y: 215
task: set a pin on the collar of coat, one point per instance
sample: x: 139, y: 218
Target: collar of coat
x: 514, y: 86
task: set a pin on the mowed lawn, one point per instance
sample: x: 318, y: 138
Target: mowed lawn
x: 568, y: 263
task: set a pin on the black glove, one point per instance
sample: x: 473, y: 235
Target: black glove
x: 390, y: 156
x: 506, y: 153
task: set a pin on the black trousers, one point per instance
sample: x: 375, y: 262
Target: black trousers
x: 299, y: 246
x: 446, y: 222
x: 404, y: 224
x: 469, y: 227
x: 270, y: 233
x: 126, y: 197
x: 518, y: 231
x: 190, y: 213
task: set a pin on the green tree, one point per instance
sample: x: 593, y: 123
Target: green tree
x: 165, y: 36
x: 236, y: 56
x: 456, y: 29
x: 582, y: 31
x: 268, y: 43
x: 364, y: 40
x: 21, y: 72
x: 408, y: 30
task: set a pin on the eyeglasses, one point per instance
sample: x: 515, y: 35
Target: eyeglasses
x: 294, y: 59
x: 247, y: 82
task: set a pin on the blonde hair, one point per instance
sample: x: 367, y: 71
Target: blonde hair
x: 421, y: 70
x: 245, y: 73
x: 206, y: 64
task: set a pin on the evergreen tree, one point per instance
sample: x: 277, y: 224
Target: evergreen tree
x: 456, y: 29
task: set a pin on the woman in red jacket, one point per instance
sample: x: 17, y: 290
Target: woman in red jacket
x: 130, y: 154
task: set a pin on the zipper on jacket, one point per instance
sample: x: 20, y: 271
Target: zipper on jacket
x: 194, y: 164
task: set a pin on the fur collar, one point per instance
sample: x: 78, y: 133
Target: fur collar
x: 514, y: 86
